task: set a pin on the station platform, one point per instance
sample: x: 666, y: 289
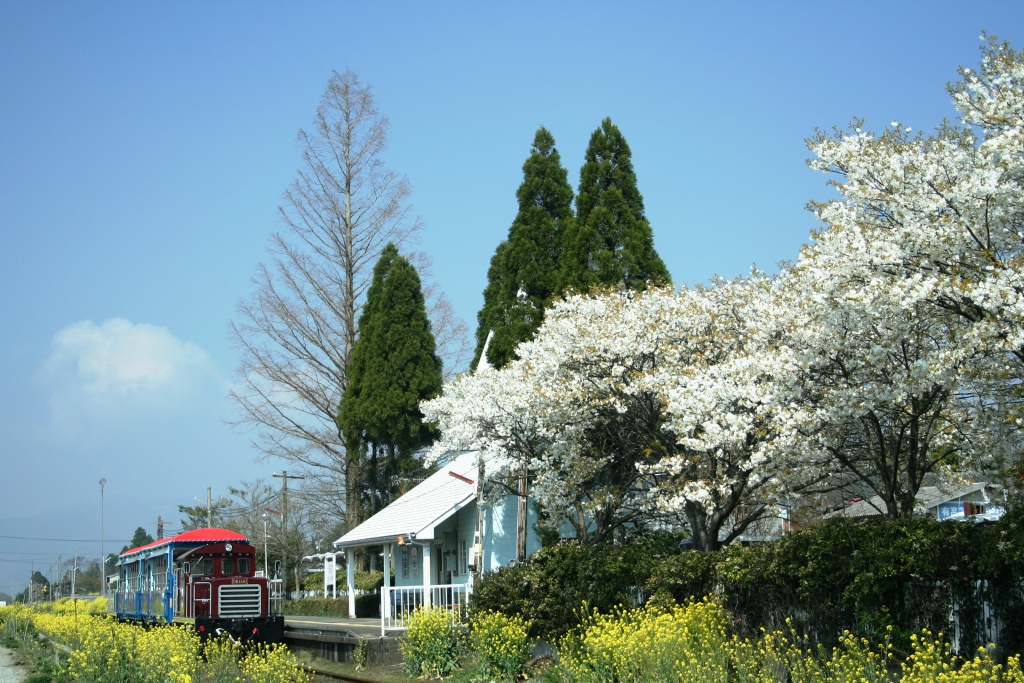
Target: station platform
x: 335, y: 638
x: 353, y: 628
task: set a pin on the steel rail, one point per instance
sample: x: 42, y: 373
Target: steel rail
x: 337, y: 676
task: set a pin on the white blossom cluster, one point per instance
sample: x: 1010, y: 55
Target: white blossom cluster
x: 892, y: 348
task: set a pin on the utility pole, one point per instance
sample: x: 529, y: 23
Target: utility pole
x: 103, y: 559
x: 74, y: 574
x: 159, y: 528
x: 284, y: 520
x: 284, y: 477
x: 60, y: 579
x: 209, y: 508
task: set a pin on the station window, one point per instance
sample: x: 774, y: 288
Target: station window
x: 463, y: 559
x: 243, y: 566
x: 227, y: 566
x: 405, y: 562
x: 415, y: 552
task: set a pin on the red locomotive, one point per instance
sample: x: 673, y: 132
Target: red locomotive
x: 205, y: 579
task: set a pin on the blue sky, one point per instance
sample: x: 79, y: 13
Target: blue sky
x: 145, y: 147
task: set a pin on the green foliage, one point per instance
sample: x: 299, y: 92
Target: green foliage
x: 394, y: 365
x: 523, y: 275
x: 364, y: 581
x: 141, y: 537
x: 359, y: 654
x: 368, y: 581
x: 611, y: 243
x: 198, y: 517
x: 220, y: 661
x: 877, y: 579
x: 688, y: 643
x: 367, y: 606
x: 550, y: 589
x: 433, y: 643
x: 501, y: 643
x: 692, y: 643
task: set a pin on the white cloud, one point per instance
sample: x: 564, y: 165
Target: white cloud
x: 119, y: 368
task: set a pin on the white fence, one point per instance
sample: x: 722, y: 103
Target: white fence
x: 397, y: 603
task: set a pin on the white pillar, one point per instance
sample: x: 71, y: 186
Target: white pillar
x: 427, y: 597
x: 350, y: 578
x: 386, y: 600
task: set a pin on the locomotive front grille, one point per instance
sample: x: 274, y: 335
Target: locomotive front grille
x: 239, y: 600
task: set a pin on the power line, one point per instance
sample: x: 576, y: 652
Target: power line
x: 37, y: 553
x: 64, y: 540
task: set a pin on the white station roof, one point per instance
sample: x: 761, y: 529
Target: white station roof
x: 416, y: 513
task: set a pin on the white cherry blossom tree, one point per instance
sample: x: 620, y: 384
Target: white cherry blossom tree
x: 631, y: 408
x: 914, y: 289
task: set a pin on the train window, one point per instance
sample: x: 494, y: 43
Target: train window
x: 243, y: 566
x: 203, y: 567
x: 227, y: 566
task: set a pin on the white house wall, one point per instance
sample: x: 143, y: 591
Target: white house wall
x: 500, y: 533
x: 458, y: 527
x: 499, y: 542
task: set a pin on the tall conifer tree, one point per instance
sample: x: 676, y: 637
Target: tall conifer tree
x: 611, y: 244
x: 394, y: 366
x: 524, y: 270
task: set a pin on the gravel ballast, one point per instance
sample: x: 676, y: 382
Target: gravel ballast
x: 10, y: 671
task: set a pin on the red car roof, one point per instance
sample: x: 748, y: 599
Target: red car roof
x: 210, y: 535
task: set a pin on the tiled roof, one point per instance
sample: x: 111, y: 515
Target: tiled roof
x: 927, y: 498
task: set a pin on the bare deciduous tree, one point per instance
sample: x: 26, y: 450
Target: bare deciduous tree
x: 296, y: 331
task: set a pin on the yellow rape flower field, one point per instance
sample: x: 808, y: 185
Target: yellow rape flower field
x: 657, y: 644
x: 691, y: 643
x: 104, y: 650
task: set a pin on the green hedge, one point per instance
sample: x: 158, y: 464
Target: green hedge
x: 367, y: 606
x: 559, y: 583
x: 865, y: 576
x: 858, y: 575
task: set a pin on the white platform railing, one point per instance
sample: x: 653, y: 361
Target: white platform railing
x: 399, y: 602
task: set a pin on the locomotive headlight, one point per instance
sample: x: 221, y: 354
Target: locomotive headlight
x: 227, y: 547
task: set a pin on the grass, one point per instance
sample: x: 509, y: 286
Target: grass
x: 384, y: 673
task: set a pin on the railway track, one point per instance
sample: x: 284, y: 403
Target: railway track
x: 338, y: 677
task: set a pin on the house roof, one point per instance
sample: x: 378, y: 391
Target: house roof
x: 927, y: 498
x: 421, y: 509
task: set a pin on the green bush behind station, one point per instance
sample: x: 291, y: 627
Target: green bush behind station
x: 862, y: 576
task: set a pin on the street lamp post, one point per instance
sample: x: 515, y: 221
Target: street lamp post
x: 103, y: 559
x: 266, y: 569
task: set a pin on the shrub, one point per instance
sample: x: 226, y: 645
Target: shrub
x: 690, y: 643
x: 273, y: 664
x: 681, y: 643
x: 367, y: 606
x: 549, y: 590
x: 865, y: 576
x: 221, y: 661
x: 104, y: 650
x: 364, y: 581
x: 433, y: 643
x: 501, y: 643
x: 360, y: 655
